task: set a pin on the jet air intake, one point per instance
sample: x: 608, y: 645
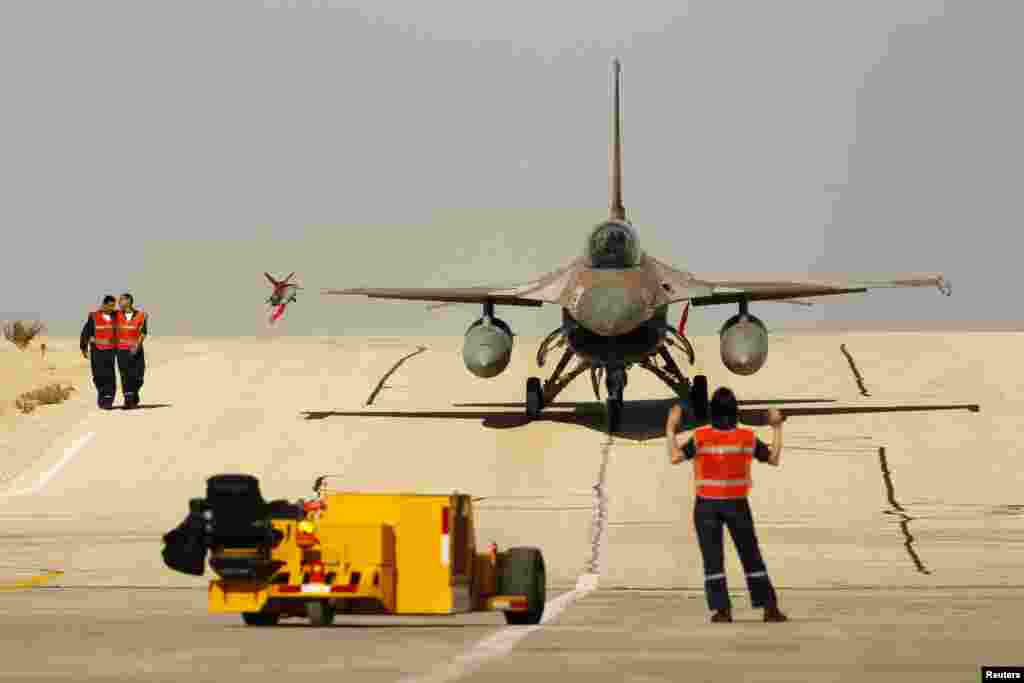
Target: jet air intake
x: 744, y: 344
x: 487, y: 348
x: 611, y: 310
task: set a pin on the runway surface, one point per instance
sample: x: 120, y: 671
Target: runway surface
x: 895, y: 540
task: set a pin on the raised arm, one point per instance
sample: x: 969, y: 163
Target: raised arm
x: 675, y: 416
x: 775, y: 419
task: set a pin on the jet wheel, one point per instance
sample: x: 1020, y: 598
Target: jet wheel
x: 534, y: 397
x: 614, y: 407
x: 699, y: 397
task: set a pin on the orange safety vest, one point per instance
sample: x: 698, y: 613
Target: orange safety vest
x: 104, y: 337
x: 128, y: 331
x: 722, y: 464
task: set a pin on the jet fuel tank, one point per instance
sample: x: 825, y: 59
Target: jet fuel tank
x: 744, y: 344
x: 487, y: 348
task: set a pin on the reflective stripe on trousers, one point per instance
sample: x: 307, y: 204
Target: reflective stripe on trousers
x: 711, y: 516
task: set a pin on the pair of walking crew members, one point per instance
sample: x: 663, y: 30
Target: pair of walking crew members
x: 722, y: 454
x: 116, y: 336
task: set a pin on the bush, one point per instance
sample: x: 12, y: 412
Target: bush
x: 21, y: 332
x: 48, y: 395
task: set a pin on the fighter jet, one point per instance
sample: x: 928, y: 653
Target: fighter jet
x: 283, y: 294
x: 615, y: 300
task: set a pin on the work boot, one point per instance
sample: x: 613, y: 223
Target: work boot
x: 772, y: 614
x: 722, y: 616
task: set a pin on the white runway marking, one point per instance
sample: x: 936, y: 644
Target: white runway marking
x: 502, y: 642
x: 69, y: 455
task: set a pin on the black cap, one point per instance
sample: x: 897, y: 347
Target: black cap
x: 724, y: 409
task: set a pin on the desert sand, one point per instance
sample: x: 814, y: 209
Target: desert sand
x: 903, y: 565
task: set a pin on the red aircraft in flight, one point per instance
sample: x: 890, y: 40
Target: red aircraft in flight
x: 283, y: 294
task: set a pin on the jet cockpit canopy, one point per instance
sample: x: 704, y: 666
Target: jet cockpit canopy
x: 613, y: 244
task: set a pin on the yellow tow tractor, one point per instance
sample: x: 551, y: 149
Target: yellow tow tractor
x: 367, y: 553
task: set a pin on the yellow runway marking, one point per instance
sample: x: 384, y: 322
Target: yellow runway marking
x: 33, y: 582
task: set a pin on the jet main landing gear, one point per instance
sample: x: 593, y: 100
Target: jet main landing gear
x: 699, y: 398
x: 538, y: 395
x: 534, y: 397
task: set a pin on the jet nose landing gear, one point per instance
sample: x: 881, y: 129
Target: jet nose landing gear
x: 615, y: 383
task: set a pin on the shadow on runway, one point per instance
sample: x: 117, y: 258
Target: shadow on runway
x: 383, y: 624
x: 667, y: 402
x: 642, y: 420
x: 147, y: 406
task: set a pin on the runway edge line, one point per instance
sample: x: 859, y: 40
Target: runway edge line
x: 502, y: 642
x: 69, y: 455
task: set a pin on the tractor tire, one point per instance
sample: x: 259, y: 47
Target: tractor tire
x: 522, y: 573
x: 230, y: 485
x: 260, y: 618
x: 320, y: 613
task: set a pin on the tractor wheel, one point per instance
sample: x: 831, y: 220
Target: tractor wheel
x: 260, y: 618
x: 230, y: 485
x: 522, y: 573
x: 320, y: 613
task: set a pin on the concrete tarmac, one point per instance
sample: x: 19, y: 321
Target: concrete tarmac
x: 904, y: 561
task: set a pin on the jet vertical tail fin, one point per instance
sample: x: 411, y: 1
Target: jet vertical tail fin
x: 618, y: 211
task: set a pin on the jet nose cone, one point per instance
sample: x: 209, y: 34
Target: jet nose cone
x: 612, y: 311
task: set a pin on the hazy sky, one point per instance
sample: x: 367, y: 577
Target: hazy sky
x: 179, y: 149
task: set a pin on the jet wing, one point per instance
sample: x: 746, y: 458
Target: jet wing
x: 545, y: 289
x: 725, y: 288
x: 458, y: 295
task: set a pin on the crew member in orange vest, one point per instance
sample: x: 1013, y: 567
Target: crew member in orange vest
x: 99, y: 333
x: 132, y: 328
x: 722, y: 454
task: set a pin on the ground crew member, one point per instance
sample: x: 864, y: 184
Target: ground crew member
x: 722, y: 454
x: 99, y: 334
x: 132, y: 327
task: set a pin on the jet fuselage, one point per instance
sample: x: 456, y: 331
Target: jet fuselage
x: 614, y: 309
